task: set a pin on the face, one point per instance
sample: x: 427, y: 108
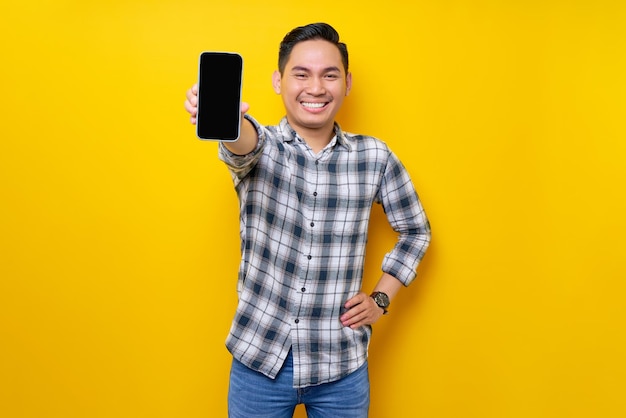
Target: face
x: 313, y: 86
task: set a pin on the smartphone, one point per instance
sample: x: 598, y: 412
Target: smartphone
x: 219, y: 96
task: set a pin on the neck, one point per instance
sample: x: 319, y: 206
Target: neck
x: 317, y: 139
x: 317, y: 144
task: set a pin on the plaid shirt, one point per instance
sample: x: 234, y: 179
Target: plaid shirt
x: 303, y: 226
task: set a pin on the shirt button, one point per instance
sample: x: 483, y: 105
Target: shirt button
x: 309, y: 257
x: 317, y: 162
x: 312, y: 223
x: 314, y: 193
x: 303, y: 289
x: 297, y: 321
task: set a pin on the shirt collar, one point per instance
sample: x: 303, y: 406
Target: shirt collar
x: 288, y: 134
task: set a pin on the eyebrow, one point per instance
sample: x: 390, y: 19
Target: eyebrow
x: 326, y: 70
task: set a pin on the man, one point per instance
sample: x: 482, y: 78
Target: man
x: 303, y: 324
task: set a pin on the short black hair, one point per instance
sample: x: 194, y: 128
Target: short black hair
x: 306, y: 33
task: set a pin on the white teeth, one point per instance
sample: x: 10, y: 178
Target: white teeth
x: 313, y: 105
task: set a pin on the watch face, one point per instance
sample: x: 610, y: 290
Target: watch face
x: 381, y: 299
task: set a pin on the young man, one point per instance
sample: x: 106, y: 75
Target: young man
x: 306, y: 188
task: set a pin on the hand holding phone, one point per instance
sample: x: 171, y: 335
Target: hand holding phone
x: 219, y: 96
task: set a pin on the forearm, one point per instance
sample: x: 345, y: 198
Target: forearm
x: 388, y: 285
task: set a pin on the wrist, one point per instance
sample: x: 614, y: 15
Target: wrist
x: 382, y: 300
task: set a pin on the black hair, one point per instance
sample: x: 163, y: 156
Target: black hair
x: 306, y: 33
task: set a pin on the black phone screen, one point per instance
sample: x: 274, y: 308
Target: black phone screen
x: 219, y: 96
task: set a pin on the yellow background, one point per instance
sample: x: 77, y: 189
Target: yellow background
x: 118, y: 228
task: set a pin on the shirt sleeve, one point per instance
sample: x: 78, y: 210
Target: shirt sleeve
x: 406, y: 216
x: 240, y: 165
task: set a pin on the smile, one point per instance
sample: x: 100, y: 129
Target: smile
x: 313, y: 105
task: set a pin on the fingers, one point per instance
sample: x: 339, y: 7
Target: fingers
x: 192, y: 95
x: 191, y: 107
x: 191, y: 103
x: 362, y: 310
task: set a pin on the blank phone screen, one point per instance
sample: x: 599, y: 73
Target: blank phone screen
x: 219, y: 96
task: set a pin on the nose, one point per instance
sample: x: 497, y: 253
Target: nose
x: 316, y: 86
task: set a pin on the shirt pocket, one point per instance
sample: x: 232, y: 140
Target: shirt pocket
x: 351, y: 215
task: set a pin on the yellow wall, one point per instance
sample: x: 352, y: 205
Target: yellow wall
x: 118, y: 228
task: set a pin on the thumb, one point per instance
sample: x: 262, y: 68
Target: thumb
x: 244, y: 107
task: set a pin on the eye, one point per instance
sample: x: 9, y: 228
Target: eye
x: 300, y: 76
x: 332, y: 76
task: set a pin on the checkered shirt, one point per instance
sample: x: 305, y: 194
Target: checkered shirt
x: 303, y: 226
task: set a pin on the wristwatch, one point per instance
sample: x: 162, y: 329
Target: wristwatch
x: 382, y: 300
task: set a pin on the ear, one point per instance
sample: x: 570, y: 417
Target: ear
x: 348, y: 83
x: 276, y: 81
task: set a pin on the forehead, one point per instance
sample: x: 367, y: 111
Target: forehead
x: 314, y: 54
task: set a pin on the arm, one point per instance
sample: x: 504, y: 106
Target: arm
x: 248, y: 136
x: 406, y: 216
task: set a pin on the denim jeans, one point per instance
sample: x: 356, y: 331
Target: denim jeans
x: 254, y: 395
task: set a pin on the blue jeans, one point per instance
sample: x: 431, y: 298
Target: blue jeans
x: 254, y: 395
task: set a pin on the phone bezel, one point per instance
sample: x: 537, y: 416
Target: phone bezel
x: 215, y: 54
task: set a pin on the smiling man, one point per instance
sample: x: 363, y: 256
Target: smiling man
x: 306, y: 188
